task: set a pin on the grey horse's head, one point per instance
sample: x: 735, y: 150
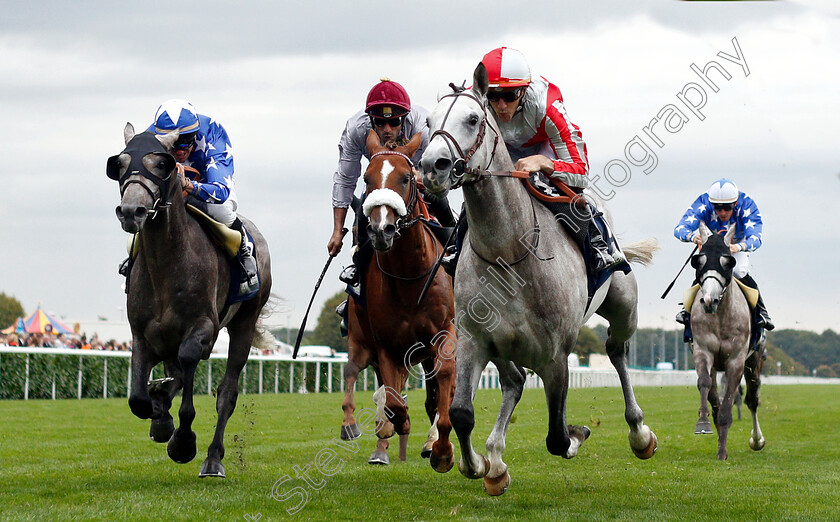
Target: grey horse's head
x: 390, y: 189
x: 458, y: 137
x: 713, y: 267
x: 144, y: 170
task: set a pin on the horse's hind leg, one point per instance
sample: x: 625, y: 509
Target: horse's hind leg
x: 469, y: 365
x: 563, y: 440
x: 620, y: 309
x: 512, y: 380
x: 753, y: 376
x: 241, y: 336
x: 359, y: 360
x: 181, y: 447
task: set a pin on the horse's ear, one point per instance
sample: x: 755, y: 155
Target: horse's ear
x: 413, y: 144
x: 480, y: 80
x: 373, y: 143
x: 128, y: 132
x: 704, y: 232
x: 727, y: 239
x: 168, y: 140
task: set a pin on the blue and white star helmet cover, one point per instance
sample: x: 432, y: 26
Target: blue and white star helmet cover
x: 176, y: 114
x: 723, y: 191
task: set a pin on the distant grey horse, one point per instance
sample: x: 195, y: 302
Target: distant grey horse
x: 177, y: 293
x: 721, y: 327
x: 520, y: 289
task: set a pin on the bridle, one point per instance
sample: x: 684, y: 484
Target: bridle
x: 136, y: 170
x: 459, y: 164
x: 405, y: 221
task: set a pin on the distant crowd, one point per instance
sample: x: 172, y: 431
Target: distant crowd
x: 38, y: 340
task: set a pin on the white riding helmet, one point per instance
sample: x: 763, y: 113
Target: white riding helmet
x: 723, y: 191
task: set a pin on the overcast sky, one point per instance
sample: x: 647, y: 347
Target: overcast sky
x: 283, y: 77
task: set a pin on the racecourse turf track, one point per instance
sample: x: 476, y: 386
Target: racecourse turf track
x: 92, y: 460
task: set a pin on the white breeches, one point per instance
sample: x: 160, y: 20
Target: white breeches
x: 742, y: 264
x: 224, y: 212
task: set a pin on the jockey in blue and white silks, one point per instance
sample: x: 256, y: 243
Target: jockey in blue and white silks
x: 722, y: 207
x: 211, y: 156
x: 203, y: 144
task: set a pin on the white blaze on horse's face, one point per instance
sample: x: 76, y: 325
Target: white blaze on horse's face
x: 385, y: 201
x: 711, y: 291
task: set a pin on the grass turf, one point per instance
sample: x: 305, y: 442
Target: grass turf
x: 91, y: 459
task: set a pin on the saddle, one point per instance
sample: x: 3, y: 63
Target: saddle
x: 751, y: 294
x: 558, y: 198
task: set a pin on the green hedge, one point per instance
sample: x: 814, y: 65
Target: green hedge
x: 62, y: 371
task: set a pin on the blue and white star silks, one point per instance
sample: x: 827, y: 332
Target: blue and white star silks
x: 213, y: 158
x: 746, y: 219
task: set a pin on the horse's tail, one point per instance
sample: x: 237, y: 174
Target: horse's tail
x: 641, y: 252
x: 263, y: 338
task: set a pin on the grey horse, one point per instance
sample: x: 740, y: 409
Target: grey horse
x: 721, y: 327
x: 520, y: 289
x: 177, y: 292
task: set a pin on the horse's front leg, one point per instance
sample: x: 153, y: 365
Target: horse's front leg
x: 642, y: 439
x: 441, y: 458
x: 723, y: 418
x: 512, y: 380
x: 752, y: 372
x: 162, y: 391
x: 394, y: 376
x: 703, y: 365
x: 139, y: 399
x: 181, y: 447
x: 470, y: 362
x: 431, y: 404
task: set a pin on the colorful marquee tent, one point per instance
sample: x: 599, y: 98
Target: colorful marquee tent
x: 41, y: 322
x: 17, y: 327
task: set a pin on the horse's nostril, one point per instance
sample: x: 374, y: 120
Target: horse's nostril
x: 141, y: 212
x: 389, y: 230
x: 443, y: 164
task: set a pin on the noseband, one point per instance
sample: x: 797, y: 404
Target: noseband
x: 460, y: 160
x: 403, y: 222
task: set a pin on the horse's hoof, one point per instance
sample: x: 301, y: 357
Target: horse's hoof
x: 444, y: 463
x: 648, y: 451
x: 379, y: 457
x: 161, y: 429
x: 704, y: 427
x: 479, y: 473
x: 757, y: 445
x: 497, y: 486
x: 181, y: 447
x: 212, y: 468
x: 350, y: 432
x: 426, y: 452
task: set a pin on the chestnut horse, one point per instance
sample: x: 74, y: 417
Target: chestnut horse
x: 389, y: 330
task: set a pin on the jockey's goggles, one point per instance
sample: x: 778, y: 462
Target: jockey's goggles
x: 724, y: 206
x: 393, y: 122
x: 507, y: 96
x: 184, y: 141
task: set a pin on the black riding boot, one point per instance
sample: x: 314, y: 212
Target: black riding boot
x: 603, y: 255
x: 250, y: 281
x: 449, y: 262
x: 762, y: 318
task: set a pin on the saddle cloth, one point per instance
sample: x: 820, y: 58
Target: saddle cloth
x: 691, y: 293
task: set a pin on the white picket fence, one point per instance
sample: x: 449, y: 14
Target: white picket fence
x: 579, y: 377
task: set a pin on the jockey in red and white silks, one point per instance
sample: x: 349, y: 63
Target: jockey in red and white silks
x: 541, y: 126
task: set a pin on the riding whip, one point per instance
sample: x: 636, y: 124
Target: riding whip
x: 678, y: 273
x: 437, y: 263
x: 317, y: 285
